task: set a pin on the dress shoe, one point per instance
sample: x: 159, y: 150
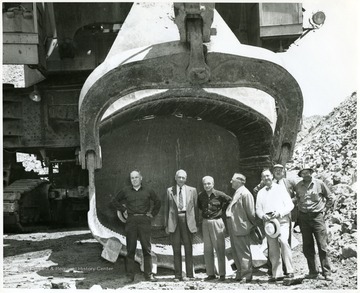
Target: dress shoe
x: 329, y: 278
x: 289, y: 276
x: 150, y: 278
x: 273, y: 280
x: 311, y: 276
x: 188, y: 279
x: 244, y: 281
x: 209, y: 278
x: 177, y: 279
x: 222, y: 278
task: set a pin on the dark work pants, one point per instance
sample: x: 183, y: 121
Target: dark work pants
x: 138, y: 227
x: 182, y: 235
x: 313, y: 224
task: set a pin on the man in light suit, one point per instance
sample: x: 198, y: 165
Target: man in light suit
x: 181, y: 222
x: 240, y: 218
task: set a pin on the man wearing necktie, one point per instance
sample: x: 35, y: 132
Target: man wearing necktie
x: 181, y: 222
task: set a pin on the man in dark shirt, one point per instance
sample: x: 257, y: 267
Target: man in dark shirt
x: 313, y: 199
x: 135, y: 203
x: 213, y: 204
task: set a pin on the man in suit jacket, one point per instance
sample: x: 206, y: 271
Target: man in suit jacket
x: 240, y: 217
x: 181, y: 222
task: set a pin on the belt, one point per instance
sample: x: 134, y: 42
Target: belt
x: 181, y: 212
x: 213, y: 218
x: 137, y: 215
x: 309, y: 213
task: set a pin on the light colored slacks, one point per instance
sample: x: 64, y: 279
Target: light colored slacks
x: 214, y: 239
x: 241, y: 253
x: 279, y: 249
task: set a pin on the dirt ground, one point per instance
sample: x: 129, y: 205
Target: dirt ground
x: 71, y: 259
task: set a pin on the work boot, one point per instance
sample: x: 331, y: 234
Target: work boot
x: 311, y: 276
x: 129, y: 279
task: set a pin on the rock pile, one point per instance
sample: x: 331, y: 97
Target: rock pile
x: 329, y: 146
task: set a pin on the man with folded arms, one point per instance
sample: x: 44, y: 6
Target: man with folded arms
x: 274, y: 202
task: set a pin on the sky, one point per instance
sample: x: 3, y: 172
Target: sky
x: 325, y: 62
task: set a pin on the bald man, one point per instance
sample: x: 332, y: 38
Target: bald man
x: 135, y: 202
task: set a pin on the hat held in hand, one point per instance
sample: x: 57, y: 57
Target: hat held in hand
x: 272, y: 228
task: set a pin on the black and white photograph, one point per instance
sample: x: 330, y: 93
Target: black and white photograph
x: 180, y: 145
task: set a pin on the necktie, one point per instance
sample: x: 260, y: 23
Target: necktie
x: 181, y: 205
x: 277, y: 181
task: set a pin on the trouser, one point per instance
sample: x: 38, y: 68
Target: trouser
x: 138, y: 227
x: 313, y: 224
x: 283, y: 261
x: 279, y: 250
x: 214, y: 238
x: 182, y: 235
x: 241, y: 253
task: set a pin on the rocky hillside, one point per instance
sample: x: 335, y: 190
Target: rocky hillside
x: 329, y: 145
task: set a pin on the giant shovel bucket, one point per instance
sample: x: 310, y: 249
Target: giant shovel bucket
x: 144, y: 109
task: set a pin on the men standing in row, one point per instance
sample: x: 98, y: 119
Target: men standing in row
x: 213, y: 203
x: 240, y: 216
x: 181, y: 221
x: 313, y: 197
x: 135, y: 203
x: 274, y: 204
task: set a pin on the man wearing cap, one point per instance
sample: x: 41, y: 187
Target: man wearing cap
x: 273, y: 206
x: 313, y: 198
x: 213, y: 204
x: 181, y: 222
x: 135, y: 203
x: 279, y: 178
x: 240, y: 218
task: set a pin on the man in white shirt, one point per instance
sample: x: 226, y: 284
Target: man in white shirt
x: 289, y: 184
x: 274, y: 202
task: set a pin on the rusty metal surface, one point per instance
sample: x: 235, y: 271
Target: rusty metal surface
x: 25, y: 201
x: 170, y: 72
x: 198, y: 71
x: 53, y: 122
x: 202, y: 11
